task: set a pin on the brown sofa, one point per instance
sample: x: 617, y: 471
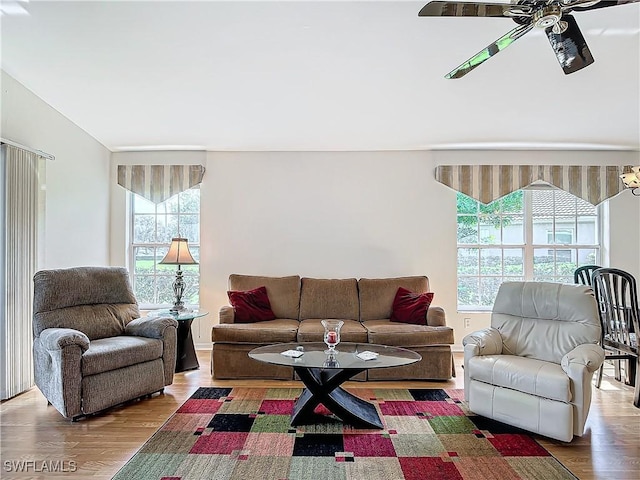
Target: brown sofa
x: 300, y: 304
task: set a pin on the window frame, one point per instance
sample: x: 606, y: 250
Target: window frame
x: 528, y: 247
x: 194, y: 247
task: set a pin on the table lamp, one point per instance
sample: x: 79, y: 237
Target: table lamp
x: 178, y: 254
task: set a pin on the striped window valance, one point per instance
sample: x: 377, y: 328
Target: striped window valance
x: 487, y: 183
x: 158, y: 183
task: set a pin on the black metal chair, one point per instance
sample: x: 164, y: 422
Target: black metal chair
x: 584, y: 275
x: 617, y: 297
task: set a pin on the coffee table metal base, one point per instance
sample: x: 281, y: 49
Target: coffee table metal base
x: 323, y: 386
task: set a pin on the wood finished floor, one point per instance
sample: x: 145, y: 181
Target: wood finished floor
x: 100, y: 445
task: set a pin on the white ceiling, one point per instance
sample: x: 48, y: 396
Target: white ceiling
x: 306, y: 76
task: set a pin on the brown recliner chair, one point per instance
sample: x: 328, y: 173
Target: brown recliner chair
x: 91, y: 350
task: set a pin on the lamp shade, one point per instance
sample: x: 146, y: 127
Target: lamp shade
x: 178, y: 253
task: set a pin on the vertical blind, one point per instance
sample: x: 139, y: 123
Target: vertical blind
x: 158, y: 183
x: 486, y: 183
x: 22, y: 191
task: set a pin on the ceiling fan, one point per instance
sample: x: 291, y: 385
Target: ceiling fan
x: 553, y: 16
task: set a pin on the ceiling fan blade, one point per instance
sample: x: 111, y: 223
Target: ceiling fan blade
x: 602, y: 4
x: 465, y: 9
x: 485, y: 54
x: 570, y: 47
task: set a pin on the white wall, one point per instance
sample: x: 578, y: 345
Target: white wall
x: 315, y: 214
x: 357, y: 214
x: 325, y: 215
x: 77, y: 182
x: 624, y: 231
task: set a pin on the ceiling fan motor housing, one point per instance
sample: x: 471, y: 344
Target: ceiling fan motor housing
x: 547, y: 16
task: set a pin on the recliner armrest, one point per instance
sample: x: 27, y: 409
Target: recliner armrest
x: 488, y: 341
x: 59, y: 338
x: 589, y: 355
x: 150, y: 327
x: 227, y: 314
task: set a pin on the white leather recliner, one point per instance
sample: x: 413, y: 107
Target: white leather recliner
x: 533, y: 367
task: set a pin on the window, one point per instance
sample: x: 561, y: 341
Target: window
x: 152, y: 228
x: 564, y: 237
x: 533, y: 234
x: 561, y: 236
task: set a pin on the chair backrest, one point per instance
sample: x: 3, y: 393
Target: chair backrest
x: 545, y: 320
x: 97, y: 301
x: 617, y: 297
x: 584, y: 275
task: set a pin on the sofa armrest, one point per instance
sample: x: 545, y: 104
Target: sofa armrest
x: 487, y: 341
x: 150, y: 327
x: 226, y: 314
x: 59, y: 338
x: 436, y: 317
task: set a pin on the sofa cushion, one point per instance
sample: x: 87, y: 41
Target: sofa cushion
x: 329, y: 298
x: 410, y: 307
x: 271, y: 331
x: 311, y: 330
x: 111, y: 353
x: 527, y: 375
x: 283, y: 292
x: 251, y: 305
x: 386, y: 332
x: 377, y: 294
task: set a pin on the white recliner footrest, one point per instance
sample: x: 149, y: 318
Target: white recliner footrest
x: 546, y: 417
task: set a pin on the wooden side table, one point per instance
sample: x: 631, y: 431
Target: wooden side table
x: 186, y: 358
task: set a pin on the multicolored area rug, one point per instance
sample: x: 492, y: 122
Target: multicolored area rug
x: 244, y: 433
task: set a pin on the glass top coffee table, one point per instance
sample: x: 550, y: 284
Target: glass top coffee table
x: 323, y: 375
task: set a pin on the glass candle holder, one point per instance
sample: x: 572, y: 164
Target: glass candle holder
x: 332, y: 334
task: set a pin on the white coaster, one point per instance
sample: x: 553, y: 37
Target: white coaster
x: 367, y: 355
x: 292, y: 353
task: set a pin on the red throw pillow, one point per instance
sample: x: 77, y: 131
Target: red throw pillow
x: 251, y: 306
x: 410, y: 307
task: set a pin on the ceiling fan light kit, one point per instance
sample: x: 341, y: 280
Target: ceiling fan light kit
x: 631, y: 180
x: 553, y: 16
